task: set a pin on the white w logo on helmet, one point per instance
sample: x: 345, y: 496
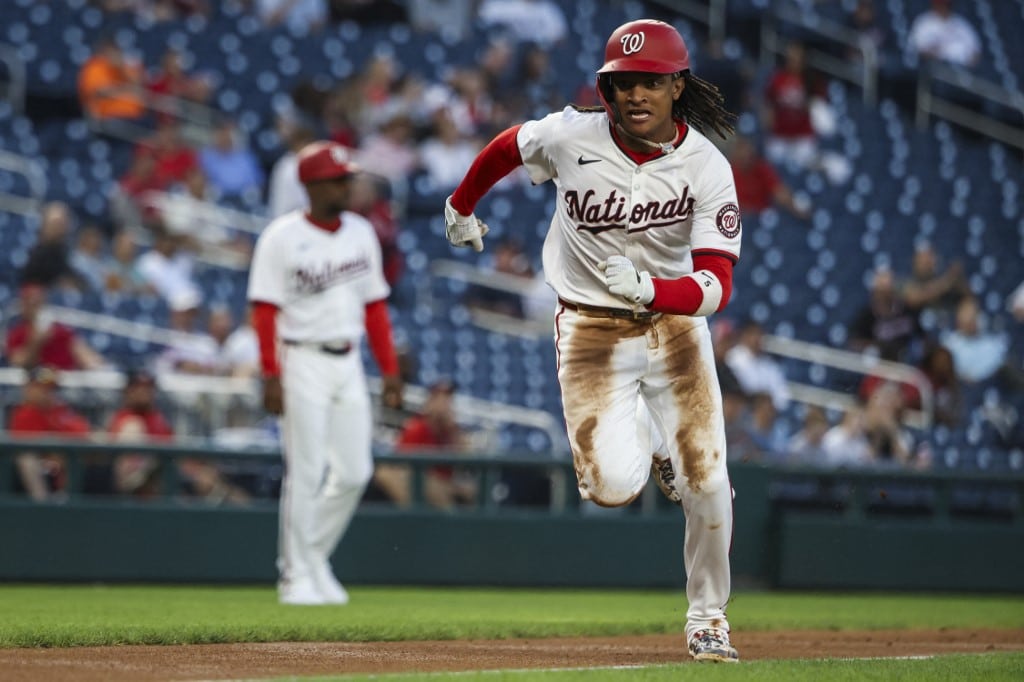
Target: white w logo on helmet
x: 339, y: 154
x: 632, y: 42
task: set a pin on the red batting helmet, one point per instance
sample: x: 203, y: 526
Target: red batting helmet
x: 324, y: 161
x: 645, y: 45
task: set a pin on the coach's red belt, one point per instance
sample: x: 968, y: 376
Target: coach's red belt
x: 338, y: 348
x: 617, y: 313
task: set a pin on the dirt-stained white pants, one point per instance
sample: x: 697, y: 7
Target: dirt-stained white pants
x: 327, y: 430
x: 616, y: 377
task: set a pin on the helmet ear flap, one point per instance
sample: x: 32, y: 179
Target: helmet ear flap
x: 607, y: 96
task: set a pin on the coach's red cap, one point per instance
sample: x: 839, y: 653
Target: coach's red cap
x: 325, y: 161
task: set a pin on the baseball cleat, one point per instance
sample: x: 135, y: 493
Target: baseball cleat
x: 712, y: 644
x: 665, y: 476
x: 331, y: 590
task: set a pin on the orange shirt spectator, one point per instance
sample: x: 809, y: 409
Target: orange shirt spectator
x: 109, y: 84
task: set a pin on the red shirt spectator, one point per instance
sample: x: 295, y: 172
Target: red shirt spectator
x: 37, y: 340
x: 755, y: 186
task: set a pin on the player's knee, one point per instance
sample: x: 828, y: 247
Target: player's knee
x: 611, y: 491
x: 341, y: 483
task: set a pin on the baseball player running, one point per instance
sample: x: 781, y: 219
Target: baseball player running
x: 316, y: 283
x: 641, y: 249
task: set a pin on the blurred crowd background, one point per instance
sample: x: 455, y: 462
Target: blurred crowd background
x: 877, y: 318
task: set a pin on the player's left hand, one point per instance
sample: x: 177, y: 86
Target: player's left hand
x: 391, y: 392
x: 623, y: 279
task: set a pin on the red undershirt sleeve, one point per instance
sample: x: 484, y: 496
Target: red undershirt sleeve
x: 264, y: 322
x: 378, y: 334
x: 499, y: 158
x: 683, y: 296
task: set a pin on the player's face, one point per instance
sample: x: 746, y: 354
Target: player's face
x: 330, y: 197
x: 644, y: 101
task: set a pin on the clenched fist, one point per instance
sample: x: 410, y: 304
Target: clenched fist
x: 623, y: 279
x: 463, y: 230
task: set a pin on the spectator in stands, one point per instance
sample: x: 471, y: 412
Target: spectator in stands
x: 787, y: 112
x: 758, y: 185
x: 763, y: 429
x: 890, y: 444
x: 451, y: 18
x: 190, y: 351
x: 231, y: 168
x: 933, y: 294
x: 120, y: 273
x: 756, y: 371
x: 173, y: 157
x: 390, y: 152
x: 110, y: 84
x: 446, y: 153
x: 299, y: 16
x: 724, y: 337
x: 846, y: 444
x: 48, y: 262
x: 885, y: 326
x: 807, y: 445
x: 432, y: 431
x: 863, y: 20
x: 43, y: 476
x: 797, y: 113
x: 941, y: 34
x: 285, y: 192
x: 938, y: 367
x: 240, y: 349
x: 171, y: 80
x: 128, y: 195
x: 138, y: 420
x: 167, y: 267
x: 87, y: 258
x: 369, y: 198
x: 37, y: 339
x: 536, y: 21
x: 978, y: 355
x: 508, y: 259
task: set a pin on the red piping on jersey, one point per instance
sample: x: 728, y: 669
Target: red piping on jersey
x: 326, y: 226
x: 378, y: 334
x: 649, y: 154
x: 264, y: 323
x: 500, y: 157
x: 684, y: 296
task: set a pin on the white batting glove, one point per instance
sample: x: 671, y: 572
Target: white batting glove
x: 623, y: 279
x: 463, y: 230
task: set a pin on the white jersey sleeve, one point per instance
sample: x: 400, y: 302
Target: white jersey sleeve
x: 716, y: 220
x: 530, y: 138
x: 267, y: 271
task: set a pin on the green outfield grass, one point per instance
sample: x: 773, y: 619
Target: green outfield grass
x: 989, y: 667
x: 98, y: 615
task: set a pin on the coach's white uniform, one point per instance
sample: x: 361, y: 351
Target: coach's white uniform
x: 321, y: 282
x: 657, y: 214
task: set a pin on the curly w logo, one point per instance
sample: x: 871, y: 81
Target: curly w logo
x: 632, y: 42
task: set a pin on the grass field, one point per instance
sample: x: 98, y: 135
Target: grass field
x: 63, y: 616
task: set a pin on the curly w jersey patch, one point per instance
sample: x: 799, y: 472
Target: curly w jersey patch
x: 728, y: 220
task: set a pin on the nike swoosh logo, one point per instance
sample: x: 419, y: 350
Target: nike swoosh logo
x: 583, y: 162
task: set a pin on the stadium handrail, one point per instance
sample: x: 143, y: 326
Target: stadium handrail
x: 776, y: 345
x: 710, y: 13
x: 930, y: 103
x: 37, y: 184
x: 863, y: 75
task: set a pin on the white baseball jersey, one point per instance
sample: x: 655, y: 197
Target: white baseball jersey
x: 321, y: 281
x: 655, y: 213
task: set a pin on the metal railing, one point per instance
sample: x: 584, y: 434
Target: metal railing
x: 931, y: 103
x: 775, y: 345
x: 711, y: 13
x: 34, y: 176
x: 863, y: 73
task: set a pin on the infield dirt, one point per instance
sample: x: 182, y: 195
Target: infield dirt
x: 254, y: 661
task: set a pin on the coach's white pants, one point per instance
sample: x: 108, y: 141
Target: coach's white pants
x: 326, y: 430
x: 605, y: 366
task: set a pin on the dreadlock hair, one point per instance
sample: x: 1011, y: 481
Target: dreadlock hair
x: 702, y: 106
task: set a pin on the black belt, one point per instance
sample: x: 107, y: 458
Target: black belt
x: 617, y: 313
x: 329, y: 348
